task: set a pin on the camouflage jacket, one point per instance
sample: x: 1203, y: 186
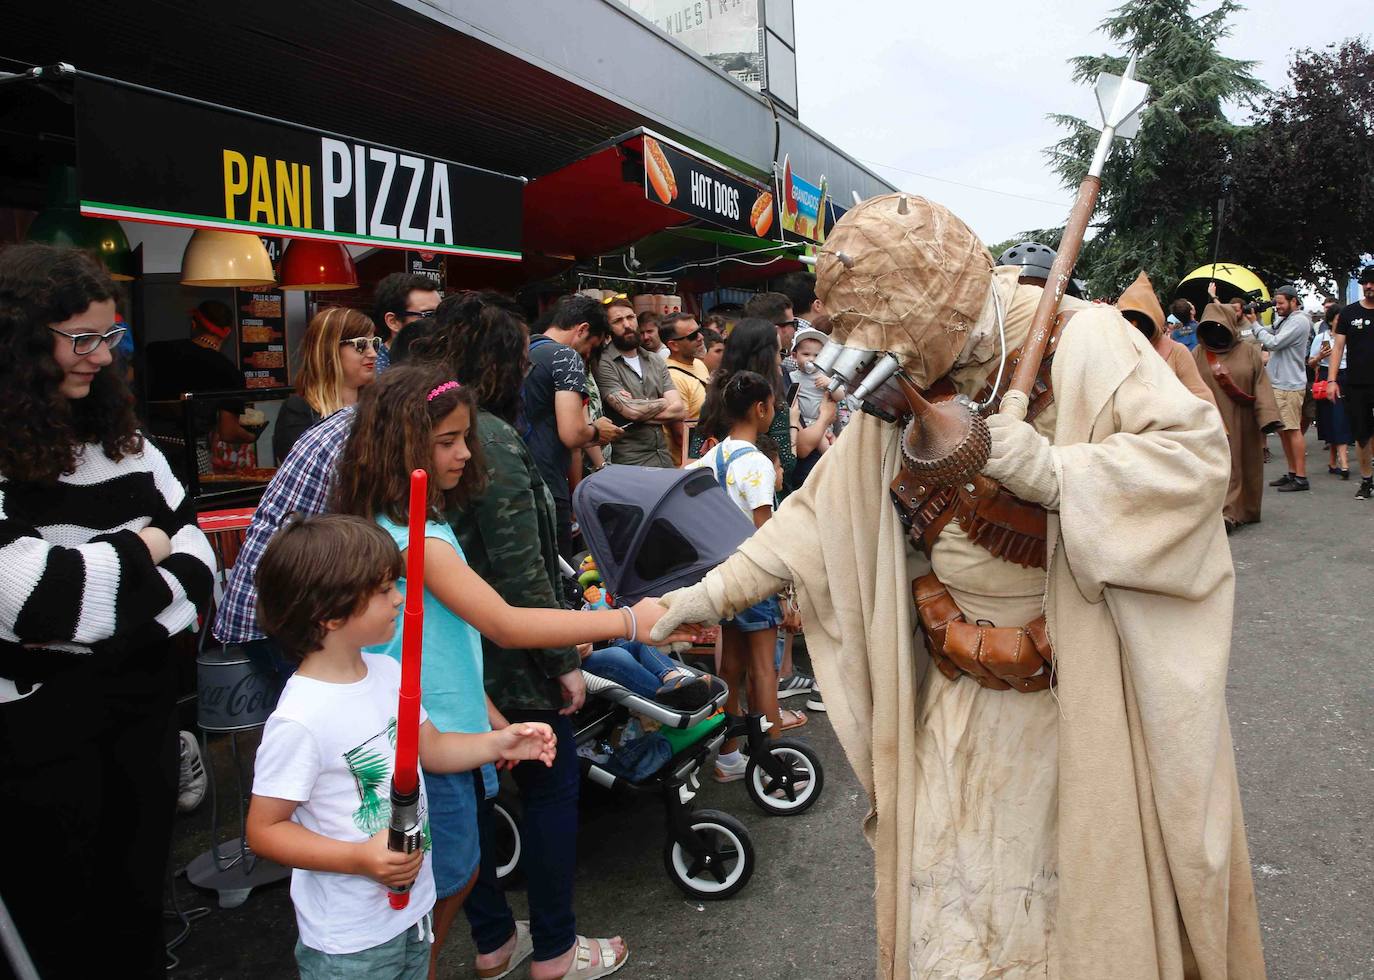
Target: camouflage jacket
x: 509, y: 539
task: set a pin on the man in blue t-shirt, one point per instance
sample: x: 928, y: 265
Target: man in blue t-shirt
x: 1183, y: 318
x: 555, y: 400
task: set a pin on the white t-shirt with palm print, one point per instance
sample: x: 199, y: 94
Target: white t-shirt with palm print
x: 750, y: 479
x: 330, y: 747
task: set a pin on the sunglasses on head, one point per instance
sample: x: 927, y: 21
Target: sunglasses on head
x: 363, y: 344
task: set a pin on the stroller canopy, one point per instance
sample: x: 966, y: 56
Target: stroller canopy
x: 652, y: 530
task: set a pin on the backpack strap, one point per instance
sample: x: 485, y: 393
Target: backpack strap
x: 723, y: 461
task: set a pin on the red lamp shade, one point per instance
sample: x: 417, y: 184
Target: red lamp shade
x: 321, y: 266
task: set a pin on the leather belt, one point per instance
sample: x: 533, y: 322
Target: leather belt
x: 1000, y: 658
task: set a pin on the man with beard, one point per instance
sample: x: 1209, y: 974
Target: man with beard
x: 1058, y: 797
x: 636, y: 392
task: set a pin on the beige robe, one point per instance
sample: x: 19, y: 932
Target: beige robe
x: 1148, y: 839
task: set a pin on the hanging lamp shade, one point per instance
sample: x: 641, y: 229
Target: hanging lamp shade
x: 103, y: 238
x: 226, y: 258
x: 309, y: 264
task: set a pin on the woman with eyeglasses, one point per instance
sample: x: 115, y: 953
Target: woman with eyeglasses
x: 101, y: 563
x: 338, y: 357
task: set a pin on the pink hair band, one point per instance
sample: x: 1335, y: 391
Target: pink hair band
x: 447, y: 385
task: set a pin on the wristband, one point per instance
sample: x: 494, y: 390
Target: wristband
x: 634, y: 624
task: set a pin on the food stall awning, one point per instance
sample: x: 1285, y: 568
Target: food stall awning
x: 634, y: 185
x: 145, y: 155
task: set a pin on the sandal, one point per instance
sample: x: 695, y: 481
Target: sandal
x: 524, y: 947
x: 687, y: 691
x: 791, y: 719
x: 583, y: 968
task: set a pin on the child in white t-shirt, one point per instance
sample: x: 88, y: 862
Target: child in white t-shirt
x: 747, y: 638
x: 322, y: 781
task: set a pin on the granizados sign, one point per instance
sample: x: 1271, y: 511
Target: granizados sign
x: 146, y: 156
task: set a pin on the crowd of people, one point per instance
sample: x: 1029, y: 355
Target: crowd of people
x: 507, y: 414
x: 1278, y: 378
x: 506, y: 417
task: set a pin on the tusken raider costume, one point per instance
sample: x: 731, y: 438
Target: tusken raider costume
x: 1058, y: 797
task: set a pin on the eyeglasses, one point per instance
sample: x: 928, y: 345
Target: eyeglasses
x: 788, y: 323
x: 362, y: 344
x: 86, y: 343
x: 690, y: 336
x: 419, y: 314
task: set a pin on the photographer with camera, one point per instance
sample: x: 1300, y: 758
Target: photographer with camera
x: 1287, y: 344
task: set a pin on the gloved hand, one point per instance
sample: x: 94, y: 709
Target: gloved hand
x: 1023, y: 461
x: 687, y: 606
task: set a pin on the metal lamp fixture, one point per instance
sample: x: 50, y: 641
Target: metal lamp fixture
x: 226, y: 258
x: 315, y: 265
x: 61, y: 223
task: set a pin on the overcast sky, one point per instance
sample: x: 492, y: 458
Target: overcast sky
x: 959, y: 90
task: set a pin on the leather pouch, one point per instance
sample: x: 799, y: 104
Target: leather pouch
x: 1000, y: 657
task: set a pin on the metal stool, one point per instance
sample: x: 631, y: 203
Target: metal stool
x: 235, y: 696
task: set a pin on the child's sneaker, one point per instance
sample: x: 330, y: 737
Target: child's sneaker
x: 191, y: 781
x: 729, y: 770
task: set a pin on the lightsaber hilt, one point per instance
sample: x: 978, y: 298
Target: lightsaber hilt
x: 405, y: 835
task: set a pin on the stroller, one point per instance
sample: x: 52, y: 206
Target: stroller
x: 649, y: 531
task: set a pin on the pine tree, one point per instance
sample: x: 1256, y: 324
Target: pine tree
x: 1160, y: 190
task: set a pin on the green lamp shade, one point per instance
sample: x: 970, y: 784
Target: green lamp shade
x: 64, y: 226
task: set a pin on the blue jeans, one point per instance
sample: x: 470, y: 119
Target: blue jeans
x: 635, y: 666
x: 549, y: 859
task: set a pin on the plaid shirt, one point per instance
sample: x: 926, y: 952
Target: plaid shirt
x: 301, y: 486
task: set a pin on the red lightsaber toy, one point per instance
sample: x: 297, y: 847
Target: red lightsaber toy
x: 405, y: 831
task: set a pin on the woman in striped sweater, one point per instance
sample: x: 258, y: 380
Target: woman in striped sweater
x: 101, y: 562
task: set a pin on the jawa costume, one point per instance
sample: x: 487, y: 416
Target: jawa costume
x: 1235, y: 372
x: 1139, y: 305
x: 1087, y: 830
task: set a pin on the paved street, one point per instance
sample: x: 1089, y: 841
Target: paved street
x: 1302, y: 699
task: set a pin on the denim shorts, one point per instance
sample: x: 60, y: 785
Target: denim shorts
x: 405, y: 957
x: 766, y: 615
x: 452, y: 830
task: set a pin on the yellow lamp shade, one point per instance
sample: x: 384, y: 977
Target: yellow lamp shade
x: 226, y: 258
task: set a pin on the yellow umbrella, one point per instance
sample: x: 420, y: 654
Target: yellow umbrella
x: 1233, y: 282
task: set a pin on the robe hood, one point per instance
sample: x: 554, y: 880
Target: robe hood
x: 1217, y: 328
x: 1139, y: 297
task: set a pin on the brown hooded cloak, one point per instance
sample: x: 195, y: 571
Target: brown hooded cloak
x: 1140, y: 298
x: 1246, y: 404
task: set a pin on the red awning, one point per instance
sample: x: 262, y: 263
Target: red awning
x: 600, y: 203
x: 593, y: 205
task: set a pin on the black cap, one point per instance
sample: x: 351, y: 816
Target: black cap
x: 1288, y: 291
x: 1367, y: 274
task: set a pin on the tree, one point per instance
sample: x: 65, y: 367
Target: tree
x: 1160, y: 190
x: 1303, y: 203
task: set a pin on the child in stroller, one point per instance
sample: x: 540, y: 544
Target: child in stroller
x: 648, y: 673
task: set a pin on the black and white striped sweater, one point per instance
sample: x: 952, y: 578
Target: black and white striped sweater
x: 76, y: 580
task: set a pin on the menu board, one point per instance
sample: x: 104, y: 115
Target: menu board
x: 262, y: 338
x: 430, y: 265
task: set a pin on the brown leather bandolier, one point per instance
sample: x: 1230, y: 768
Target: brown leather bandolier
x: 1225, y: 382
x: 1000, y: 658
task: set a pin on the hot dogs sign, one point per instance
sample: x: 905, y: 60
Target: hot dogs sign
x: 691, y: 185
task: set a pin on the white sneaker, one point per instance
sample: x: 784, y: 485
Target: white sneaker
x: 731, y: 771
x: 191, y: 781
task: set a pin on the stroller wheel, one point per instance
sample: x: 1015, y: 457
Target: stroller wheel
x: 775, y: 795
x: 505, y: 832
x: 725, y: 862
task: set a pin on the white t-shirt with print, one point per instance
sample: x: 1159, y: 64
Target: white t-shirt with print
x: 330, y: 747
x: 750, y: 479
